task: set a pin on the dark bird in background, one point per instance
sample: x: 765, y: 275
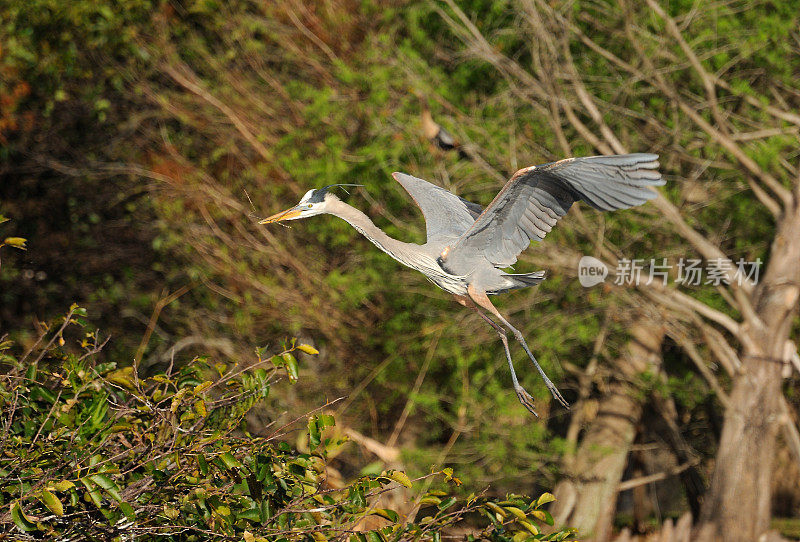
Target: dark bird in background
x: 468, y: 248
x: 440, y: 137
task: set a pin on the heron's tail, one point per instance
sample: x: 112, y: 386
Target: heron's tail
x: 523, y: 280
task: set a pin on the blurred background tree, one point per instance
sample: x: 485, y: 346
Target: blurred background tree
x: 141, y: 141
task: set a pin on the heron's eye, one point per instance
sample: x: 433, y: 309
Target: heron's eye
x: 308, y: 206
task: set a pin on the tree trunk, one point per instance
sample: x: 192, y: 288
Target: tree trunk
x: 692, y: 480
x: 587, y: 498
x: 737, y: 504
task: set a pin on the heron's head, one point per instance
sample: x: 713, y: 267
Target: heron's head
x: 312, y: 203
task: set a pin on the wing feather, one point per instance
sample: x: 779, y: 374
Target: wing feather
x: 532, y: 202
x: 447, y: 216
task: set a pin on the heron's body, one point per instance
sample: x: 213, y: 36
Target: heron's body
x: 468, y: 247
x: 426, y: 258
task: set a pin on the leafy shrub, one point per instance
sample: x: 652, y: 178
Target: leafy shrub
x: 91, y: 450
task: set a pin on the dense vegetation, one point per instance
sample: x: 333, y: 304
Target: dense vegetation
x: 140, y: 141
x: 94, y: 452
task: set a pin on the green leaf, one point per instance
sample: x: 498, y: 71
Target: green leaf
x: 108, y: 484
x: 16, y: 242
x: 200, y: 388
x: 20, y: 519
x: 529, y: 526
x: 453, y: 479
x: 398, y: 476
x: 52, y: 502
x: 171, y: 513
x: 291, y: 366
x: 544, y: 498
x: 519, y: 514
x: 230, y: 461
x: 176, y: 399
x: 430, y: 499
x: 203, y: 464
x: 542, y: 515
x: 266, y: 510
x: 308, y: 349
x: 63, y: 485
x: 92, y: 492
x: 161, y: 379
x: 314, y: 437
x: 252, y: 514
x: 496, y: 509
x: 391, y: 515
x: 127, y: 509
x: 223, y: 511
x: 123, y: 377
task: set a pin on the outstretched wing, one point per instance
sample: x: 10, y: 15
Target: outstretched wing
x: 535, y: 198
x: 446, y: 215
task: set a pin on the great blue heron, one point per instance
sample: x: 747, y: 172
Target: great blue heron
x: 469, y: 247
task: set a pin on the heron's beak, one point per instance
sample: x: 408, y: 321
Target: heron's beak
x: 288, y: 214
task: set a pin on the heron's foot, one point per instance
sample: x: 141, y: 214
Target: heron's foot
x: 553, y: 389
x: 526, y: 399
x: 557, y: 394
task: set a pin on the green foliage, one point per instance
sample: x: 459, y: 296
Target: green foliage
x: 93, y: 450
x: 50, y: 45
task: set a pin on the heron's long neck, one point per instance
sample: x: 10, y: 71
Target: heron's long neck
x: 400, y: 251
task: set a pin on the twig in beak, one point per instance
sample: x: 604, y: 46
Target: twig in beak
x: 253, y: 214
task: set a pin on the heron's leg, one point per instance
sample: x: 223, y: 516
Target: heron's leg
x: 524, y: 397
x: 483, y: 300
